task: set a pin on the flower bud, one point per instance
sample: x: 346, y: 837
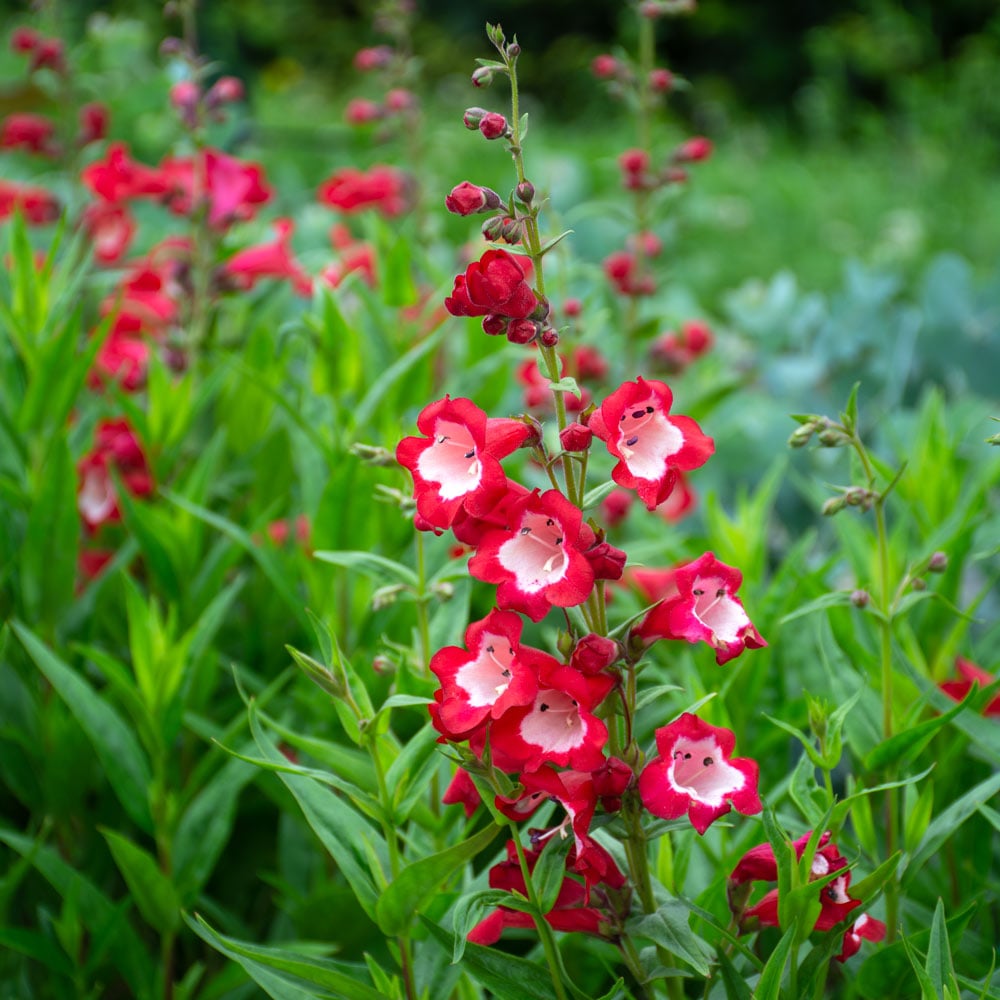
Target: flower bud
x: 361, y: 111
x: 482, y: 77
x: 522, y: 331
x: 937, y: 563
x: 833, y: 506
x: 860, y: 598
x: 634, y: 161
x: 473, y: 116
x: 184, y: 96
x: 399, y: 99
x: 372, y: 454
x: 384, y: 596
x: 832, y: 438
x: 593, y: 653
x: 495, y: 324
x: 607, y: 561
x: 377, y: 57
x: 443, y: 591
x: 661, y: 80
x: 802, y: 435
x: 493, y: 125
x: 694, y: 150
x: 918, y: 583
x: 513, y: 50
x: 510, y: 230
x: 525, y: 192
x: 548, y: 337
x: 572, y: 308
x: 576, y: 437
x: 93, y: 123
x: 493, y: 228
x: 468, y: 199
x: 225, y: 90
x: 604, y: 66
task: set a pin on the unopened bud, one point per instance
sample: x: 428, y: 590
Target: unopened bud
x: 937, y: 563
x: 443, y: 591
x: 383, y: 665
x: 473, y: 116
x: 511, y: 230
x: 495, y: 324
x: 832, y: 438
x: 493, y: 125
x: 513, y: 50
x: 493, y: 228
x: 661, y: 80
x: 525, y: 192
x: 694, y: 150
x: 576, y: 437
x: 372, y: 454
x: 482, y: 77
x: 857, y: 496
x: 468, y: 199
x: 801, y: 436
x: 387, y: 595
x: 860, y: 598
x: 604, y: 66
x: 833, y: 506
x: 521, y: 331
x: 918, y: 583
x: 548, y: 337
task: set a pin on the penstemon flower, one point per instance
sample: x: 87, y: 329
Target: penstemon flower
x: 703, y: 607
x: 651, y: 447
x: 696, y: 774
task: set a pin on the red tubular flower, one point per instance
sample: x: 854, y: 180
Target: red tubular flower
x: 37, y: 205
x: 704, y: 609
x: 622, y: 271
x: 864, y: 928
x: 377, y: 57
x: 33, y: 133
x: 384, y: 188
x: 493, y: 125
x: 457, y: 462
x: 559, y: 726
x: 694, y: 150
x: 119, y: 178
x: 116, y: 446
x: 568, y: 913
x: 269, y: 260
x: 493, y: 285
x: 111, y: 228
x: 695, y: 774
x: 604, y: 66
x: 483, y: 680
x: 234, y: 189
x: 462, y: 792
x: 122, y: 358
x: 971, y: 674
x: 361, y: 111
x: 538, y: 562
x: 651, y: 447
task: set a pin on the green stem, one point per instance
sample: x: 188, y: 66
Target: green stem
x: 544, y: 930
x: 423, y: 616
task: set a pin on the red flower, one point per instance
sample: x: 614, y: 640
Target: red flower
x: 483, y: 680
x: 538, y: 561
x: 695, y: 774
x: 116, y: 447
x: 269, y: 260
x: 593, y: 653
x: 361, y: 111
x: 111, y: 227
x: 33, y: 133
x: 373, y: 58
x: 462, y: 791
x: 457, y: 462
x: 118, y: 177
x: 384, y: 188
x: 559, y: 726
x: 622, y: 271
x: 651, y: 447
x: 37, y: 205
x: 568, y: 913
x: 705, y: 608
x: 694, y: 150
x: 234, y: 189
x: 864, y: 928
x: 493, y: 125
x: 971, y: 674
x: 354, y: 256
x: 604, y: 66
x: 493, y: 285
x: 123, y: 357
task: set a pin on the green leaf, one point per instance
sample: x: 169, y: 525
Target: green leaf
x: 418, y: 882
x: 340, y: 829
x: 205, y: 827
x: 769, y: 984
x: 261, y: 554
x: 555, y: 241
x: 48, y: 554
x: 918, y: 817
x: 550, y: 872
x: 566, y: 384
x: 669, y: 928
x: 849, y: 417
x: 945, y: 824
x: 939, y: 966
x: 98, y: 914
x: 375, y: 567
x: 593, y: 497
x: 735, y: 985
x: 505, y: 975
x: 905, y: 745
x: 116, y: 747
x: 866, y: 888
x: 833, y: 600
x: 472, y: 907
x: 152, y: 891
x: 282, y: 973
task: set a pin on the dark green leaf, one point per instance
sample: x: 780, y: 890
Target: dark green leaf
x: 735, y: 985
x: 471, y: 908
x: 769, y: 985
x: 152, y: 891
x: 668, y: 927
x: 116, y: 747
x: 418, y: 882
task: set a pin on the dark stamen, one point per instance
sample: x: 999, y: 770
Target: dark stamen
x: 549, y: 522
x: 471, y: 454
x: 632, y: 440
x: 526, y: 531
x: 721, y: 592
x: 559, y: 540
x: 697, y: 592
x: 505, y: 673
x: 687, y: 756
x: 638, y: 413
x: 489, y: 649
x: 707, y: 762
x: 543, y: 707
x: 649, y: 409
